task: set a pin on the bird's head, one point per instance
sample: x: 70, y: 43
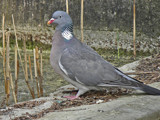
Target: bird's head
x: 60, y: 18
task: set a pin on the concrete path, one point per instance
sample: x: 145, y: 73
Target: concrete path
x: 130, y: 107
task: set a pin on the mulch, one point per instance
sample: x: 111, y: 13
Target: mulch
x: 152, y: 66
x: 149, y: 67
x: 91, y: 97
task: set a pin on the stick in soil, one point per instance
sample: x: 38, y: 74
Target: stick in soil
x: 134, y: 28
x: 17, y: 45
x: 9, y: 80
x: 4, y: 58
x: 82, y: 39
x: 118, y: 44
x: 26, y: 70
x: 35, y: 70
x: 25, y: 59
x: 7, y: 70
x: 67, y: 10
x: 30, y: 70
x: 41, y: 62
x: 39, y: 72
x: 20, y: 55
x: 12, y: 86
x: 16, y: 72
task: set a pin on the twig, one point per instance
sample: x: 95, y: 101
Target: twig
x: 4, y: 58
x: 134, y: 28
x: 118, y: 44
x: 67, y: 10
x: 35, y: 70
x: 12, y: 86
x: 31, y: 76
x: 16, y: 72
x: 17, y: 44
x: 20, y: 55
x: 7, y: 70
x: 39, y: 72
x: 41, y: 62
x: 152, y: 80
x: 138, y: 73
x: 82, y: 39
x: 25, y: 59
x: 26, y: 70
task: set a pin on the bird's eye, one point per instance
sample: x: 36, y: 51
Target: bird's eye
x: 60, y: 16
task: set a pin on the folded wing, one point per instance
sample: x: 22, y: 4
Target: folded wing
x: 90, y: 69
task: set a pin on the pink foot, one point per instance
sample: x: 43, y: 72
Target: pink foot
x: 71, y: 97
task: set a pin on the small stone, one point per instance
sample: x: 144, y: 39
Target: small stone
x: 100, y: 110
x: 99, y: 101
x: 58, y: 101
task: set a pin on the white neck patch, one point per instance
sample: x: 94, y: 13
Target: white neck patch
x: 67, y: 34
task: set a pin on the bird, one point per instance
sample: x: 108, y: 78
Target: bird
x: 83, y: 67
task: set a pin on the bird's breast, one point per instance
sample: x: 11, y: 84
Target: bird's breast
x: 56, y: 52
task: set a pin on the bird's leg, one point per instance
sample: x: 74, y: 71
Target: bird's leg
x: 80, y: 92
x: 71, y: 97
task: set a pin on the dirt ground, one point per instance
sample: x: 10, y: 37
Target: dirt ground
x: 149, y: 69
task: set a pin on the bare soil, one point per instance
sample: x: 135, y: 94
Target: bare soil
x: 152, y: 68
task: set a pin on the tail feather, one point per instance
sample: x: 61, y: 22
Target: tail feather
x: 137, y: 84
x: 150, y: 90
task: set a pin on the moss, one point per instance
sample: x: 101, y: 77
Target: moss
x: 123, y: 52
x: 125, y: 56
x: 110, y: 55
x: 29, y: 44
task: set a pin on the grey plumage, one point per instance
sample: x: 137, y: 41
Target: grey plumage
x: 81, y: 65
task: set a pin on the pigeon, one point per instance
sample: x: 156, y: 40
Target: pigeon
x: 83, y: 67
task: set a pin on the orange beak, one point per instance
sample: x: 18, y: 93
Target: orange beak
x: 50, y: 21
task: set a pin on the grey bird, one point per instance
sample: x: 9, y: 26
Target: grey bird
x: 81, y: 65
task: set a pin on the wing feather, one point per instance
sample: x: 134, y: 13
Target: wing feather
x: 87, y: 67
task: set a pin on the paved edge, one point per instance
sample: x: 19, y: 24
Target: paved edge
x: 130, y: 107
